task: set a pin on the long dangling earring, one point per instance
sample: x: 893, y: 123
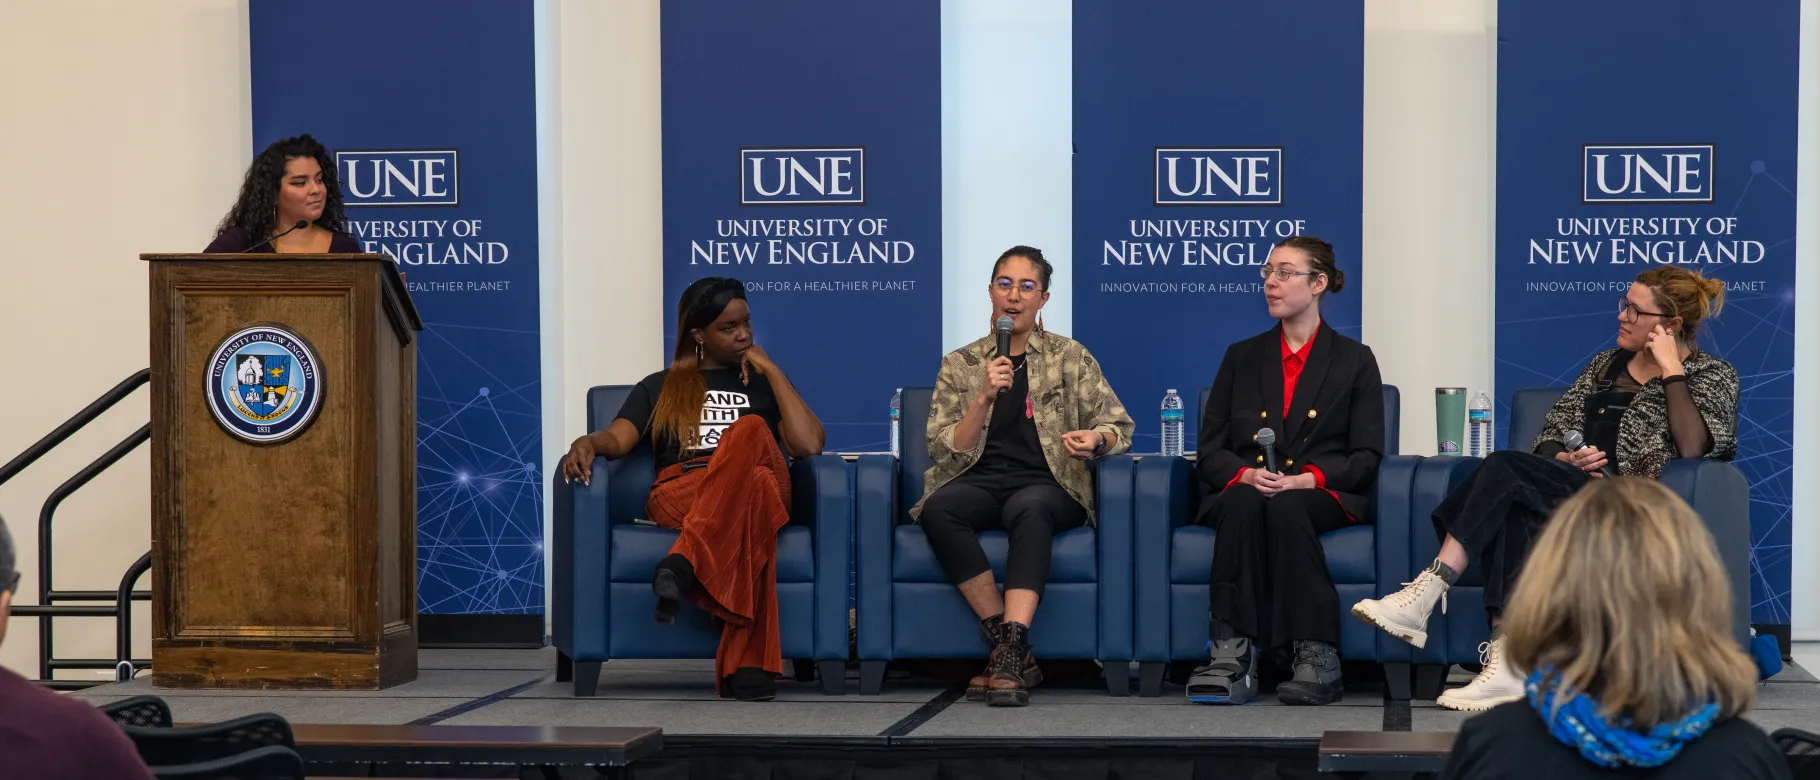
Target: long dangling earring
x: 1039, y: 324
x: 698, y: 355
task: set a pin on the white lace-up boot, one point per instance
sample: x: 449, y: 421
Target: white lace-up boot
x: 1497, y: 684
x: 1405, y: 613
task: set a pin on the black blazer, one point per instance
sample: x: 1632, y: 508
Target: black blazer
x: 1335, y: 422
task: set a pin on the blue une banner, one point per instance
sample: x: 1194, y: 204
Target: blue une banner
x: 429, y: 106
x: 803, y: 156
x: 1636, y: 134
x: 1203, y: 134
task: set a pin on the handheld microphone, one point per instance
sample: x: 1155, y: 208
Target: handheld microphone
x: 1267, y: 439
x: 301, y: 224
x: 1575, y: 441
x: 1002, y: 329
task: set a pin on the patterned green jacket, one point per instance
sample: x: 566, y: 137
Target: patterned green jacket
x: 1645, y: 443
x: 1067, y: 393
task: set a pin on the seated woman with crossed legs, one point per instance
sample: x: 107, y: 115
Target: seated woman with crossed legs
x: 1009, y: 437
x: 715, y: 419
x: 1654, y: 398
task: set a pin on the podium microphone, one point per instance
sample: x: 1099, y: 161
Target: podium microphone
x: 1575, y: 441
x: 1267, y: 439
x: 301, y: 224
x: 1002, y: 329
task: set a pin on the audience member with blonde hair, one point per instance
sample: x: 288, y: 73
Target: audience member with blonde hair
x: 1624, y: 615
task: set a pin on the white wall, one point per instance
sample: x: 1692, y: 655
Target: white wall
x: 127, y: 127
x: 1007, y: 153
x: 601, y: 189
x: 1805, y: 602
x: 1429, y: 159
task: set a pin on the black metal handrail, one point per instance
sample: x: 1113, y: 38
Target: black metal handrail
x: 122, y: 597
x: 73, y: 424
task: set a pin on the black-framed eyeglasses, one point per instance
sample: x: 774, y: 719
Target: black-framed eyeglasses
x: 1283, y: 273
x: 1004, y: 285
x: 1628, y: 311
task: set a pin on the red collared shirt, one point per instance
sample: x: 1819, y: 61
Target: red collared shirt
x: 1293, y: 362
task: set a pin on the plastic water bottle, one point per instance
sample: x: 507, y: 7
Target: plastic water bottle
x: 897, y: 423
x: 1173, y: 417
x: 1478, y: 425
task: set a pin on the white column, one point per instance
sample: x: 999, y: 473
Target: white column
x: 1007, y: 153
x: 1804, y: 607
x: 1430, y: 193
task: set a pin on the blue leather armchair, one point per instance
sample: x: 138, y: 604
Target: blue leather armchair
x: 909, y: 609
x: 602, y: 564
x: 1175, y: 557
x: 1716, y: 490
x: 1454, y: 635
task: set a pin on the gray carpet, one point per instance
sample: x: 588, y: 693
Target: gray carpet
x: 518, y: 687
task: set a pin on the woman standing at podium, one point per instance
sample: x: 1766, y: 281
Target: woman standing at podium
x: 1319, y: 396
x: 290, y: 202
x: 1654, y: 398
x: 715, y: 420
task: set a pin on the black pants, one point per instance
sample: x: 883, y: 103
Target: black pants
x: 1269, y: 576
x: 1031, y: 510
x: 1500, y: 509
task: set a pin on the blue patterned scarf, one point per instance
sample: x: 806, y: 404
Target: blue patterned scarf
x: 1579, y: 725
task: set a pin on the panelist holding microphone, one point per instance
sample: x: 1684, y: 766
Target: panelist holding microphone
x: 1654, y: 398
x: 1012, y: 422
x: 290, y: 202
x: 1290, y: 442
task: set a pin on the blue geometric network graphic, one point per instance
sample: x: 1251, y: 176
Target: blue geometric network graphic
x: 479, y: 495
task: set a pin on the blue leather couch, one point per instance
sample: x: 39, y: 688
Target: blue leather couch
x: 909, y: 609
x: 1175, y: 558
x: 602, y: 564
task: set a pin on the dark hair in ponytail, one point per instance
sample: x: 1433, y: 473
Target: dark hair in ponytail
x: 1320, y: 256
x: 677, y: 413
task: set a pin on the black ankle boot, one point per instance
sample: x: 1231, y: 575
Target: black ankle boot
x: 1317, y: 675
x: 674, y: 577
x: 993, y: 629
x: 1005, y: 685
x: 750, y: 683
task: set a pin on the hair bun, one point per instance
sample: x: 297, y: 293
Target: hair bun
x: 1714, y: 290
x: 1336, y: 280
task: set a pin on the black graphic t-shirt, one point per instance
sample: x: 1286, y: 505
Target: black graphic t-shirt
x: 1013, y: 447
x: 726, y: 401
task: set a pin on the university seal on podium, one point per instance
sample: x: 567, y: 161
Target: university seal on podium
x: 264, y: 384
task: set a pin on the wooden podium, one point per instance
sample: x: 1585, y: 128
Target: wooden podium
x: 284, y: 533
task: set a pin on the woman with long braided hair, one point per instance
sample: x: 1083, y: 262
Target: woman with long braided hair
x: 720, y: 420
x: 290, y: 202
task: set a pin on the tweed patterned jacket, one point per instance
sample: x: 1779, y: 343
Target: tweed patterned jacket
x: 1067, y: 393
x: 1645, y: 444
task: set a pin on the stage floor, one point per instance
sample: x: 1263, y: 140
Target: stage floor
x: 518, y: 687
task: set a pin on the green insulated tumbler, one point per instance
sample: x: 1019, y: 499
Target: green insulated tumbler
x: 1450, y: 419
